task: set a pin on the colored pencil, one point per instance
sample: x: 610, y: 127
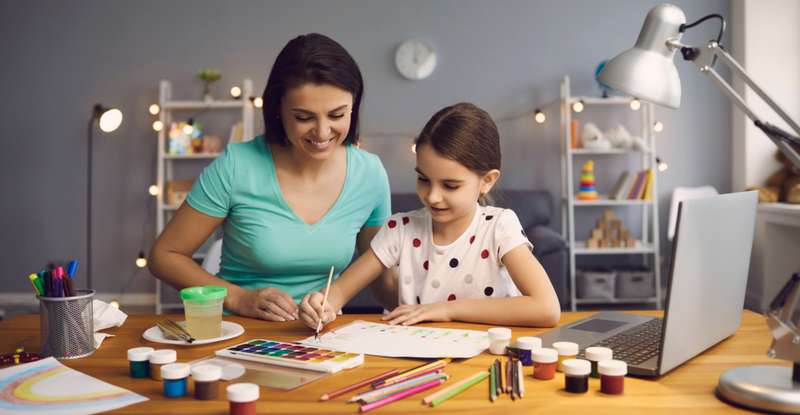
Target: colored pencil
x: 520, y: 380
x: 397, y: 396
x: 377, y: 394
x: 474, y: 379
x: 428, y: 399
x: 501, y: 377
x: 337, y: 392
x: 512, y: 380
x: 437, y: 368
x: 409, y: 373
x: 324, y: 301
x: 493, y: 381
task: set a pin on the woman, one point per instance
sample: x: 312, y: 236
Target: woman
x: 293, y: 202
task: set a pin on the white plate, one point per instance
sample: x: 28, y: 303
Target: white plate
x: 229, y: 331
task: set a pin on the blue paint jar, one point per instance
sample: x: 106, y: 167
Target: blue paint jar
x: 525, y: 345
x: 175, y: 377
x: 138, y: 361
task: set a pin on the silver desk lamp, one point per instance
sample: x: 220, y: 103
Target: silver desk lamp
x: 647, y: 71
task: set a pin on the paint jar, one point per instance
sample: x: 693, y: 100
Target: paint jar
x: 499, y: 338
x: 612, y: 376
x: 206, y: 381
x: 596, y: 355
x: 576, y: 375
x: 566, y: 350
x: 242, y: 398
x: 160, y: 358
x: 545, y: 361
x: 175, y: 376
x: 525, y: 345
x: 139, y: 361
x: 203, y: 310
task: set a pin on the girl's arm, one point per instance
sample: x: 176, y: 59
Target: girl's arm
x: 358, y: 275
x: 538, y: 305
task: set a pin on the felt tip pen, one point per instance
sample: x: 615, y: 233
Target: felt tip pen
x: 72, y: 268
x: 37, y: 284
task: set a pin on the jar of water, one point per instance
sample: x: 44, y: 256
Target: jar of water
x: 203, y: 309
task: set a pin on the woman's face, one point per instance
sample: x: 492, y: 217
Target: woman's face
x: 316, y: 118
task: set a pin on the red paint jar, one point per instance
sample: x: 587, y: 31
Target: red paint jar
x: 242, y: 398
x: 612, y: 376
x: 545, y: 361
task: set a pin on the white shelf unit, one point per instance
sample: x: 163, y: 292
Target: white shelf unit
x: 648, y: 244
x: 165, y: 162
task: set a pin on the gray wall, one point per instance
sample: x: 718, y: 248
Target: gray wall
x: 59, y: 58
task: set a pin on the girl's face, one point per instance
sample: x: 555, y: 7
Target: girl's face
x: 316, y: 118
x: 447, y: 188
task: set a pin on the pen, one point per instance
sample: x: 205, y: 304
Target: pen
x: 72, y: 268
x: 37, y: 284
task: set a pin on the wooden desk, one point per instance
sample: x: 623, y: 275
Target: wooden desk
x: 689, y: 388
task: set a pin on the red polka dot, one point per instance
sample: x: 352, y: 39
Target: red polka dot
x: 472, y: 239
x: 451, y: 297
x: 405, y: 220
x: 417, y: 243
x: 392, y: 223
x: 485, y: 254
x: 425, y: 265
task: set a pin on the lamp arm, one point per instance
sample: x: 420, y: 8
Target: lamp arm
x: 703, y: 59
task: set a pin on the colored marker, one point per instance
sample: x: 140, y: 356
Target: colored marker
x: 37, y: 284
x: 72, y: 268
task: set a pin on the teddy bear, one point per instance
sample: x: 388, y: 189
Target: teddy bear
x: 781, y: 186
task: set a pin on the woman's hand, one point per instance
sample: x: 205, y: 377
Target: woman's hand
x: 267, y: 304
x: 311, y: 310
x: 408, y: 314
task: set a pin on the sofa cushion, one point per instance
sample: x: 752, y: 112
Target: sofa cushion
x: 533, y: 207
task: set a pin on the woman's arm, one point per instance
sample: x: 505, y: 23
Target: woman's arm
x: 171, y: 261
x: 538, y: 306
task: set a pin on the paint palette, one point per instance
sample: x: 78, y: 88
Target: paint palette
x: 295, y: 355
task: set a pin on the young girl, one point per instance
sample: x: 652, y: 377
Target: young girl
x: 456, y: 258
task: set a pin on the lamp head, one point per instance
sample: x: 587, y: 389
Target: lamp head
x: 109, y: 119
x: 647, y: 70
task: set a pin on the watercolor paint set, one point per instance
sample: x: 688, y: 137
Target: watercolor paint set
x: 294, y: 355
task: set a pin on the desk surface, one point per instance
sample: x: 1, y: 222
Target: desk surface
x: 687, y: 388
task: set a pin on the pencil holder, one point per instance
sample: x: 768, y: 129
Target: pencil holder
x: 66, y: 325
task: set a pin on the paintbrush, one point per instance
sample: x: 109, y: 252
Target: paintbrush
x: 324, y: 301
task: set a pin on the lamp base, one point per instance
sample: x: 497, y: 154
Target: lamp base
x: 765, y: 388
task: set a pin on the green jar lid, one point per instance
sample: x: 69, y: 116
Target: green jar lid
x: 204, y: 293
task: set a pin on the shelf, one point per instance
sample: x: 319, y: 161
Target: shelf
x: 195, y: 156
x: 615, y: 300
x: 588, y: 151
x: 640, y: 248
x: 609, y: 202
x: 602, y: 101
x: 197, y: 105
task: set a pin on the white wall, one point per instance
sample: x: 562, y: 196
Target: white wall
x: 766, y: 41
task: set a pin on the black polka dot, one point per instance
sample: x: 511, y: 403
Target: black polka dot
x: 418, y: 302
x: 488, y: 291
x: 489, y: 217
x: 453, y: 263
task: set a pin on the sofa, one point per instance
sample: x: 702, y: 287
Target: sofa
x: 535, y: 211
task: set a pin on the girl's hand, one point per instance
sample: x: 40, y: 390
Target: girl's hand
x: 311, y: 310
x: 268, y: 304
x: 408, y: 314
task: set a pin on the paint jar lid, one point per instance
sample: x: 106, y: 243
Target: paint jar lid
x: 566, y: 348
x: 162, y: 356
x: 139, y: 354
x: 529, y: 343
x: 612, y: 368
x: 243, y: 392
x: 204, y: 293
x: 499, y: 333
x: 597, y: 354
x: 175, y: 371
x: 544, y: 355
x: 206, y: 373
x: 577, y: 367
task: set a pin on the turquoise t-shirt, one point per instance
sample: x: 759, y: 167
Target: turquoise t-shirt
x: 265, y: 244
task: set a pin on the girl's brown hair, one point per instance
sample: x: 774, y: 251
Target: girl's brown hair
x: 466, y: 134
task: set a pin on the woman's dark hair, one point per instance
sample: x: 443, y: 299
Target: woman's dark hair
x: 466, y: 134
x: 316, y: 59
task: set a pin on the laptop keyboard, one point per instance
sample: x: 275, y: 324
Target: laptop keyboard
x: 635, y: 345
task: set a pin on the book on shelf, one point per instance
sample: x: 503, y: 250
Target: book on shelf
x: 638, y: 185
x: 622, y: 187
x: 647, y: 192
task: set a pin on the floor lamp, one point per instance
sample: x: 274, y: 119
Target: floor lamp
x: 647, y: 71
x: 108, y: 120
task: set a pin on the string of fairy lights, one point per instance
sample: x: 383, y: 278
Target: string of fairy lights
x: 538, y: 116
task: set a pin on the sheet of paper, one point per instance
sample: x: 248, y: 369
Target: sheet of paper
x: 402, y: 341
x: 48, y: 387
